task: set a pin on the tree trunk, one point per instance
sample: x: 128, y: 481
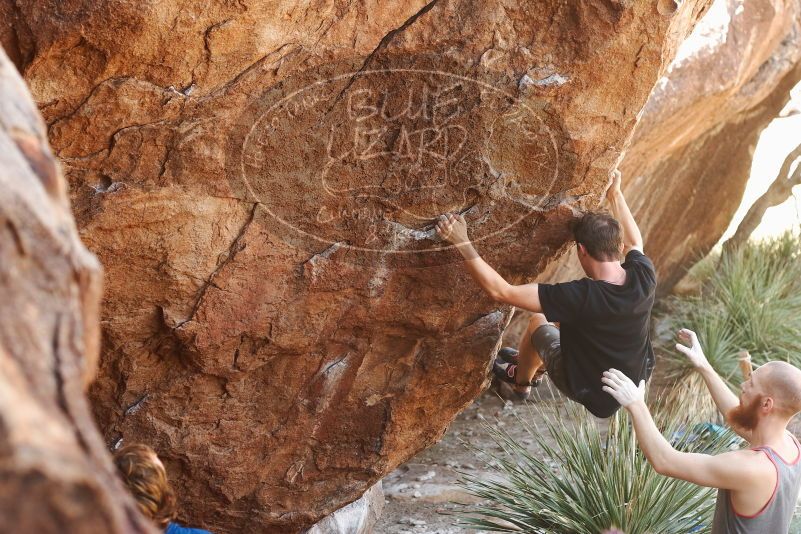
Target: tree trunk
x: 778, y: 192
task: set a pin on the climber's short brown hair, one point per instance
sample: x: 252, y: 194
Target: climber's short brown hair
x: 144, y: 474
x: 600, y: 234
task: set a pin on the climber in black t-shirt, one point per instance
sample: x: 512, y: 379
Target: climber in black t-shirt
x: 603, y: 319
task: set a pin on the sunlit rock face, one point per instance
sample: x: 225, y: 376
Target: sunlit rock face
x: 259, y: 180
x: 55, y: 473
x: 690, y: 158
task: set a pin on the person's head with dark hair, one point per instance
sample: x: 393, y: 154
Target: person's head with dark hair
x: 146, y: 478
x: 598, y: 236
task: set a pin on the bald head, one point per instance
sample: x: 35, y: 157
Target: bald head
x: 782, y: 382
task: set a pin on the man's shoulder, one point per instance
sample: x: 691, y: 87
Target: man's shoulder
x: 636, y: 259
x: 756, y: 460
x: 567, y: 282
x: 563, y: 301
x: 637, y: 255
x: 578, y: 284
x: 747, y: 454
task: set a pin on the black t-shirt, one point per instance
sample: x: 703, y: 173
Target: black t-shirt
x: 604, y: 326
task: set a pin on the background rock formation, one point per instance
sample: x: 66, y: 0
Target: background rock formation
x: 55, y: 473
x: 259, y: 180
x: 690, y: 158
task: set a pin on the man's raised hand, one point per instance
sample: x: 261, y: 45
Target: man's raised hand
x: 622, y: 388
x: 452, y: 228
x: 613, y: 186
x: 694, y: 352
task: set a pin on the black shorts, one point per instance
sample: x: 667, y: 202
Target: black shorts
x: 546, y: 340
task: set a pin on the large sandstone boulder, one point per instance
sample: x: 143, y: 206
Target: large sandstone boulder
x: 56, y: 475
x: 690, y: 158
x: 260, y: 179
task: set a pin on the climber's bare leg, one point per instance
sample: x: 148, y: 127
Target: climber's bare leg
x: 530, y: 361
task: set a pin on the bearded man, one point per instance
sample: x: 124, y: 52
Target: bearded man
x: 757, y: 487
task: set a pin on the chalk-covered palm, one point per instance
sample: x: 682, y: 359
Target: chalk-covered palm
x: 694, y: 352
x: 622, y: 388
x: 452, y: 228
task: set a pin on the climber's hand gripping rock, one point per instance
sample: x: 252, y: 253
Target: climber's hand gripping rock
x: 452, y: 228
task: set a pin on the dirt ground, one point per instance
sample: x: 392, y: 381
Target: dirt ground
x: 421, y: 494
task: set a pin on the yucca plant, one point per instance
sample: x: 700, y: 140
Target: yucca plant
x: 715, y: 332
x: 692, y: 394
x: 750, y: 301
x: 585, y: 481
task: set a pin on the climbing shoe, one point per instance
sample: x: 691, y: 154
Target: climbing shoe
x: 511, y: 356
x: 505, y: 372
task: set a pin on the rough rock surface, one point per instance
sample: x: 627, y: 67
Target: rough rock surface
x: 259, y: 180
x: 55, y: 473
x: 690, y: 158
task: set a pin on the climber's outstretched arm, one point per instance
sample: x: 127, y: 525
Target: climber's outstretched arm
x: 632, y: 238
x: 453, y: 228
x: 724, y: 398
x: 728, y: 471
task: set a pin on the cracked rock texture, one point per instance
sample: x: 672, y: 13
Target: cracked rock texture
x: 259, y: 180
x: 690, y: 158
x: 55, y: 472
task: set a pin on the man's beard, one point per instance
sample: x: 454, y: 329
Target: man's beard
x: 745, y: 418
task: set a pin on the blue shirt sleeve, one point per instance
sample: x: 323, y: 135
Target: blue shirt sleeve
x: 175, y: 528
